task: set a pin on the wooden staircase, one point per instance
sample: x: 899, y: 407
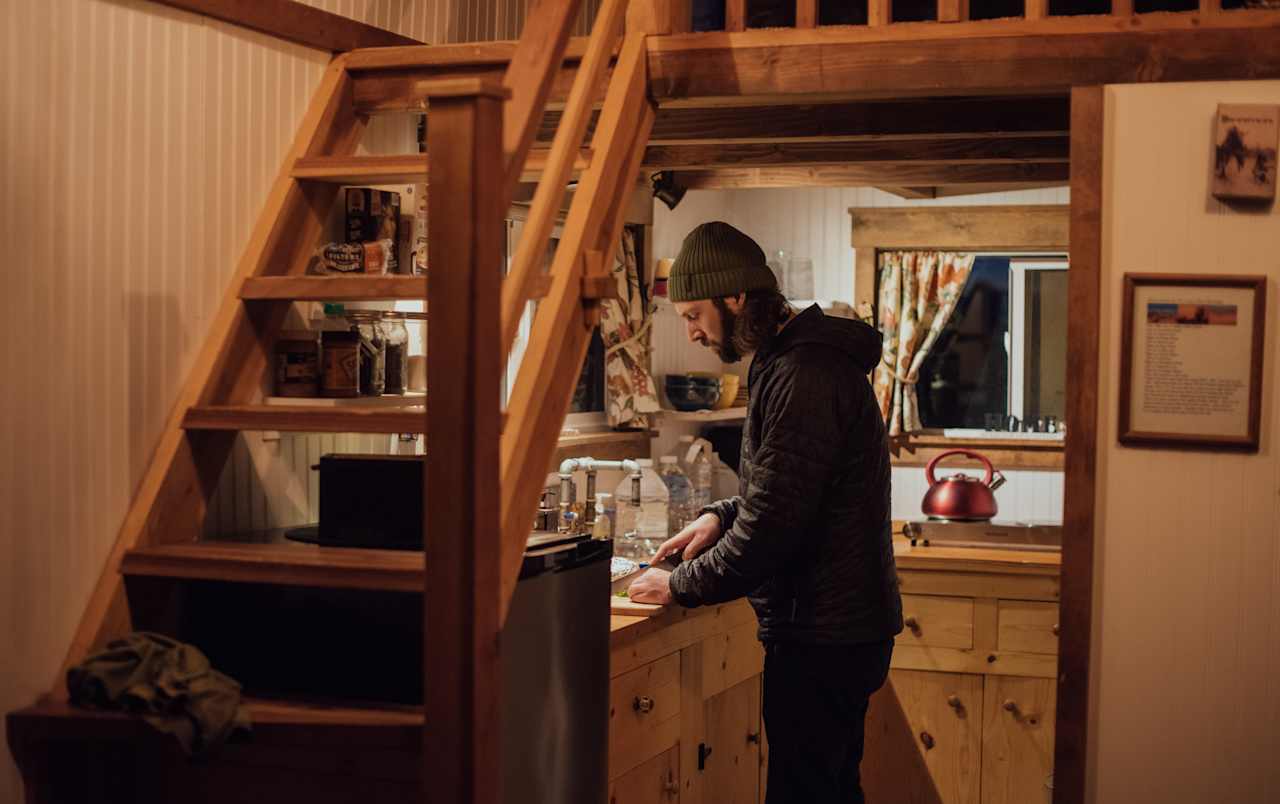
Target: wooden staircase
x: 287, y: 619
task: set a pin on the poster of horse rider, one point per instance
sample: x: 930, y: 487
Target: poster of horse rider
x: 1244, y: 164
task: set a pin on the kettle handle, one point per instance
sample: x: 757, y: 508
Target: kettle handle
x: 977, y: 456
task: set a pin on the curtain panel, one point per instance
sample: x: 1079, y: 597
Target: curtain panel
x: 918, y: 293
x: 625, y: 323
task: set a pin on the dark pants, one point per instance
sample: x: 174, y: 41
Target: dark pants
x: 815, y: 708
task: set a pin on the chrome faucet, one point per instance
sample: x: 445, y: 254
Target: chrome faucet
x: 567, y: 521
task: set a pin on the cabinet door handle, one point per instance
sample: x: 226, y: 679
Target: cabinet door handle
x: 643, y: 704
x: 912, y: 623
x: 927, y: 740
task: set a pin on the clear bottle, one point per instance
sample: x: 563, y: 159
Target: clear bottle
x: 641, y: 529
x: 678, y: 491
x: 699, y: 468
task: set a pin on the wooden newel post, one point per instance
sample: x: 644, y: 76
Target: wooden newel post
x: 461, y: 763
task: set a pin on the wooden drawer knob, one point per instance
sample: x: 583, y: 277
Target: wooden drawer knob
x: 912, y: 623
x: 643, y: 704
x: 1011, y: 707
x: 1055, y: 629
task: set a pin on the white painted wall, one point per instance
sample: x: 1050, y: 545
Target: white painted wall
x: 814, y: 223
x: 1186, y: 651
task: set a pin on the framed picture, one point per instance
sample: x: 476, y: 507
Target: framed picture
x: 1191, y: 361
x: 1244, y: 152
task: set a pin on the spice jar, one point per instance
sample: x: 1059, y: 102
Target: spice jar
x: 297, y: 364
x: 340, y: 358
x: 397, y: 337
x: 373, y: 352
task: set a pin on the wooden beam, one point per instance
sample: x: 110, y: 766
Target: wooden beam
x: 870, y: 175
x: 972, y: 228
x: 996, y: 57
x: 1080, y: 530
x: 952, y: 151
x: 879, y: 12
x: 933, y: 118
x: 527, y: 263
x: 529, y: 78
x: 1206, y: 6
x: 1035, y: 9
x: 953, y: 10
x: 463, y: 684
x: 806, y: 13
x: 296, y: 22
x: 557, y: 343
x: 1123, y: 8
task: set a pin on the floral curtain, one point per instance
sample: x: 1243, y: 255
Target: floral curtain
x: 624, y: 325
x: 918, y: 293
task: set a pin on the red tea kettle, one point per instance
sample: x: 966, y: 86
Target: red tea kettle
x: 959, y: 497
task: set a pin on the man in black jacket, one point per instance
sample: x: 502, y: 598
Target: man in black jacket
x: 808, y: 538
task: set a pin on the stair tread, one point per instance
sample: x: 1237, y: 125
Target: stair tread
x: 334, y: 288
x: 282, y: 563
x: 304, y: 419
x: 403, y: 168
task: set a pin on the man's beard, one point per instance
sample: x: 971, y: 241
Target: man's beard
x: 727, y: 349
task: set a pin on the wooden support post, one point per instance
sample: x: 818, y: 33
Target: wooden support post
x: 1036, y: 9
x: 879, y: 12
x: 659, y: 17
x: 529, y: 78
x: 1124, y: 8
x: 953, y: 10
x: 735, y: 15
x: 1206, y: 6
x: 462, y: 740
x: 806, y: 13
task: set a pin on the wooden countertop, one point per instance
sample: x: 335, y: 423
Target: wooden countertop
x: 975, y: 559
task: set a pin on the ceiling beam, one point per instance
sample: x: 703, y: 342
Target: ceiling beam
x: 296, y: 22
x: 897, y: 175
x: 911, y: 193
x: 863, y: 152
x: 927, y: 118
x: 976, y: 58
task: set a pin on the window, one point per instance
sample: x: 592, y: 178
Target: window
x: 1001, y: 359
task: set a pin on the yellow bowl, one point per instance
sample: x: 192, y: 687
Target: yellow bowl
x: 728, y: 388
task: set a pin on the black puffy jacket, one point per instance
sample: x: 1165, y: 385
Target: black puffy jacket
x: 809, y: 536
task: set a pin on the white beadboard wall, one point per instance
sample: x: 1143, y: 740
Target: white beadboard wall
x: 1186, y: 649
x: 814, y: 222
x: 139, y: 143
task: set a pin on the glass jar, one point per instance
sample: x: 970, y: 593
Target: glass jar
x: 397, y: 364
x: 373, y: 352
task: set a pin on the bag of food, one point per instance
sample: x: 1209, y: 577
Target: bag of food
x: 372, y: 257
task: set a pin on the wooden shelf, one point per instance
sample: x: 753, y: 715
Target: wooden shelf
x: 726, y: 415
x: 402, y: 168
x: 334, y: 288
x: 386, y: 401
x: 302, y: 419
x: 284, y: 564
x: 612, y: 445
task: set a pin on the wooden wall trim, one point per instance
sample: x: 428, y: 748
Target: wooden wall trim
x: 1079, y: 529
x: 985, y: 228
x: 296, y: 22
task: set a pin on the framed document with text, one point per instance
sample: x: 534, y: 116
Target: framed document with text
x: 1191, y: 361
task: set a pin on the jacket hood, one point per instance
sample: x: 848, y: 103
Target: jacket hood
x: 859, y: 341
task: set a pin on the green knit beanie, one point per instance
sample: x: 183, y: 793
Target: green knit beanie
x: 717, y: 260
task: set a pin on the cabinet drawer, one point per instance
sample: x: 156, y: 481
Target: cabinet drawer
x: 644, y: 713
x: 1028, y: 627
x: 942, y: 622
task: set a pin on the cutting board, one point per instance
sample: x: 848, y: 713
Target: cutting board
x: 624, y: 605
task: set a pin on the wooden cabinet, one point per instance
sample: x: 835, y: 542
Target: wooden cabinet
x: 1017, y: 739
x: 944, y: 711
x: 967, y: 716
x: 685, y: 709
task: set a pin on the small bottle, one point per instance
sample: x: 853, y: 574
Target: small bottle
x: 605, y: 514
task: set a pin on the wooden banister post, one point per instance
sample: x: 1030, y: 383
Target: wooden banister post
x: 462, y: 740
x: 806, y: 13
x: 735, y: 15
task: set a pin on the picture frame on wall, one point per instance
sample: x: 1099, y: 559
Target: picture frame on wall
x: 1191, y: 361
x: 1245, y: 140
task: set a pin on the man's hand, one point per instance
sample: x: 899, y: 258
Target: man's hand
x: 696, y: 537
x: 651, y: 587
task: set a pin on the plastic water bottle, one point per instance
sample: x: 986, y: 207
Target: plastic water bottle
x: 695, y: 461
x: 678, y: 491
x: 642, y: 529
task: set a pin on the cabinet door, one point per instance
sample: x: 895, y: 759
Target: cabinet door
x: 656, y: 781
x: 944, y: 712
x: 644, y: 713
x: 731, y: 773
x: 1017, y: 739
